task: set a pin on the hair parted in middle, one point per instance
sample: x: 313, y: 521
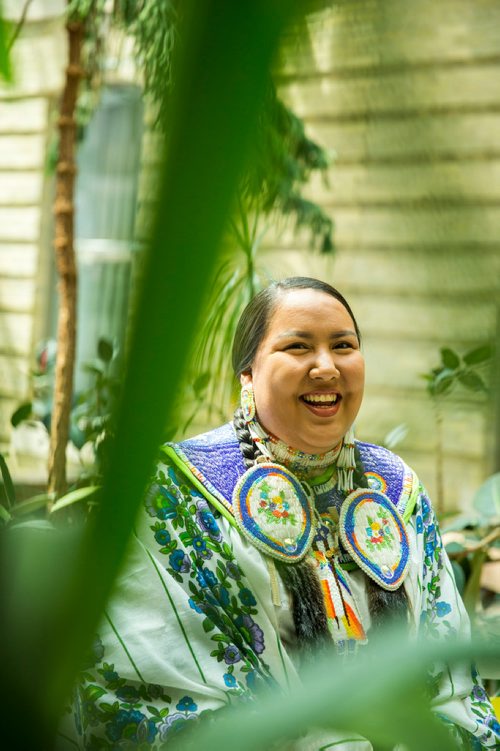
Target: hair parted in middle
x: 254, y: 321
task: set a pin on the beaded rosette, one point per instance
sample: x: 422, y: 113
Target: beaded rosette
x: 374, y: 533
x: 274, y: 512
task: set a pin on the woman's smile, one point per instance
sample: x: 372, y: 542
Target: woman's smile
x: 308, y: 373
x: 323, y: 404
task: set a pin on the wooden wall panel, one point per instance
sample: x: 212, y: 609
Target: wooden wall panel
x: 407, y: 98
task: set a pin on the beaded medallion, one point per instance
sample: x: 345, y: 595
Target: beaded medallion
x: 374, y: 533
x: 274, y: 512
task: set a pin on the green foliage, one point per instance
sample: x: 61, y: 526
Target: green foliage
x: 381, y: 697
x: 5, y: 70
x: 454, y: 370
x: 471, y: 540
x: 56, y: 595
x: 283, y: 163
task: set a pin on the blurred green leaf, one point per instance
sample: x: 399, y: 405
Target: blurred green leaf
x: 33, y: 504
x: 443, y: 381
x: 454, y: 547
x: 471, y: 381
x: 5, y: 69
x: 450, y: 358
x: 4, y: 514
x: 10, y: 492
x: 459, y: 576
x: 478, y: 355
x: 487, y: 498
x: 460, y: 522
x: 105, y: 350
x: 201, y: 383
x: 325, y: 701
x: 23, y: 412
x: 473, y: 585
x: 74, y: 496
x: 222, y: 66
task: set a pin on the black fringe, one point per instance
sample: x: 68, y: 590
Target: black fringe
x: 308, y: 608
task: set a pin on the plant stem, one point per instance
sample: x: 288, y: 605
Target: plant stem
x: 66, y: 264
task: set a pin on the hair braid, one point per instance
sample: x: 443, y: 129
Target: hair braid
x: 248, y: 448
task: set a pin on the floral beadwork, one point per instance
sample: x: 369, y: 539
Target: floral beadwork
x: 273, y: 511
x: 274, y: 506
x: 378, y: 531
x: 374, y: 533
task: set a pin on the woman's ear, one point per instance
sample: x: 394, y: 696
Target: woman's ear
x: 246, y: 378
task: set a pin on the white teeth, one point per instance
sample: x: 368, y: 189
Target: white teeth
x: 320, y: 398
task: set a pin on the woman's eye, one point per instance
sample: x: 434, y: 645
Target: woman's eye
x: 344, y: 345
x: 295, y: 345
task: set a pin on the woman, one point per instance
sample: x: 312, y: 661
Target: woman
x: 269, y: 537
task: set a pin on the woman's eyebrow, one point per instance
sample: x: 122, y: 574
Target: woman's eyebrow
x: 310, y: 335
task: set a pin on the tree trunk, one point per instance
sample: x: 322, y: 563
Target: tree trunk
x: 66, y: 264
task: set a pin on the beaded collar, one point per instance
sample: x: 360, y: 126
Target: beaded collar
x: 338, y: 463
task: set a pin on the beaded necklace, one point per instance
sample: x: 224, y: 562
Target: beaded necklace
x: 338, y: 463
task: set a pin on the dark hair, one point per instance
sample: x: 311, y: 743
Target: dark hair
x: 254, y: 320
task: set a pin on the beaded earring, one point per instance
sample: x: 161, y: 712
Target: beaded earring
x: 247, y: 402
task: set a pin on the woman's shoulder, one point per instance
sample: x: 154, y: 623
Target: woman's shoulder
x: 389, y: 473
x: 212, y: 460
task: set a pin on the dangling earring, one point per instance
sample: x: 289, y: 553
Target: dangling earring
x: 247, y: 402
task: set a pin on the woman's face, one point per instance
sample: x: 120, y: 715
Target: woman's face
x: 308, y: 373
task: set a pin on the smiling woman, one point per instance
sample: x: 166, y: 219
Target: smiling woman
x: 272, y: 538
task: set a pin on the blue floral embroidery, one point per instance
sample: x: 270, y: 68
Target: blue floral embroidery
x: 247, y: 597
x: 206, y: 578
x: 442, y: 608
x: 179, y: 561
x: 207, y: 521
x: 132, y: 725
x: 253, y: 632
x: 231, y: 655
x: 230, y: 680
x: 193, y: 605
x: 162, y: 536
x: 218, y: 591
x: 186, y: 704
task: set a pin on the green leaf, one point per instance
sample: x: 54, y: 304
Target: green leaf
x: 459, y: 576
x: 23, y: 412
x: 94, y: 367
x: 75, y: 496
x: 478, y: 355
x: 208, y: 625
x: 487, y: 498
x: 471, y: 381
x: 443, y: 382
x: 201, y: 383
x: 473, y: 586
x: 5, y: 69
x: 450, y: 358
x: 4, y: 514
x: 32, y: 504
x: 7, y: 482
x: 94, y: 692
x: 454, y: 547
x: 105, y: 350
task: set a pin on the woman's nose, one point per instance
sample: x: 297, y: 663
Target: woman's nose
x: 324, y: 366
